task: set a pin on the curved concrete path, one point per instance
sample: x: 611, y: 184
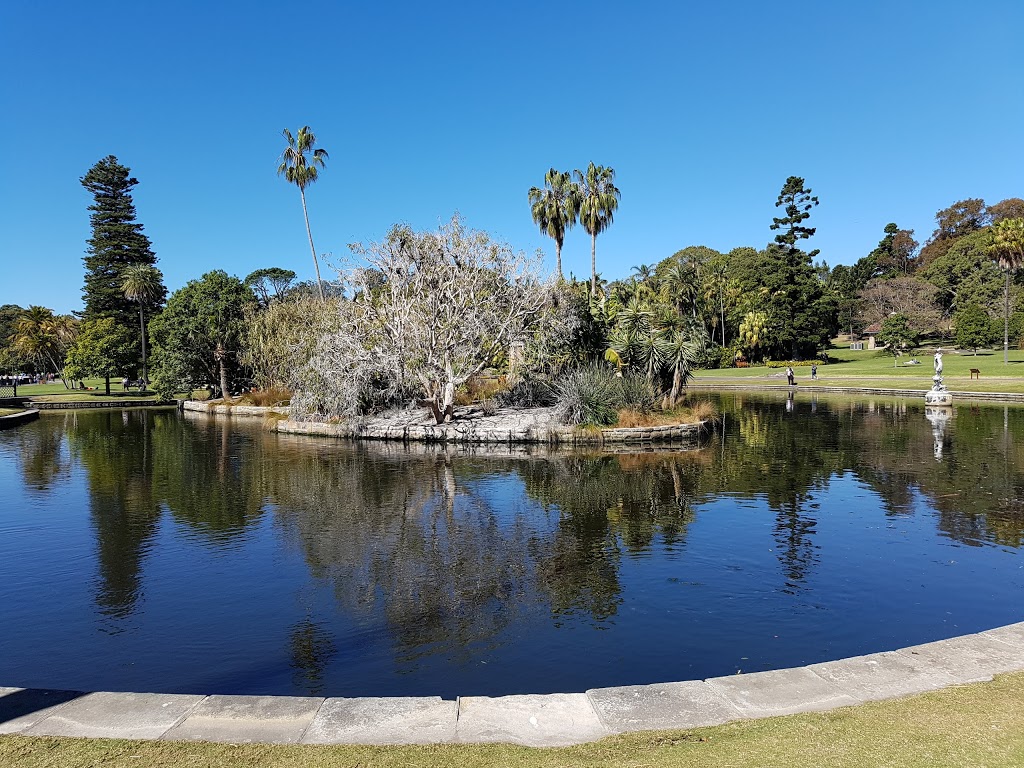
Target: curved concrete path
x: 535, y: 720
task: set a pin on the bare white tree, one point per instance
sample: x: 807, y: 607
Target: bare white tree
x: 429, y: 310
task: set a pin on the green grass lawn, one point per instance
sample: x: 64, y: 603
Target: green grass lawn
x: 57, y: 392
x: 972, y: 725
x: 10, y: 411
x: 874, y: 368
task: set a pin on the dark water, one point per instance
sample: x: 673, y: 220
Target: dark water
x: 143, y: 550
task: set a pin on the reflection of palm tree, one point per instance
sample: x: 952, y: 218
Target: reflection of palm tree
x: 793, y: 532
x: 300, y: 164
x: 142, y: 283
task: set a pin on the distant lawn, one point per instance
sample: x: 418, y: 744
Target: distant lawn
x: 874, y: 368
x: 969, y: 725
x: 58, y: 388
x: 58, y: 393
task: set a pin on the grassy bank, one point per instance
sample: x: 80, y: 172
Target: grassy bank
x: 874, y: 368
x: 975, y: 725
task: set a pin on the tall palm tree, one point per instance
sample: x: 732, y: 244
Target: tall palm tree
x: 599, y: 198
x: 555, y: 208
x: 1007, y: 246
x: 142, y: 283
x: 299, y: 165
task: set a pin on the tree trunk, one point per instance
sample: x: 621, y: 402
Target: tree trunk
x: 593, y: 264
x: 106, y: 385
x: 558, y: 258
x: 142, y: 328
x: 1006, y: 320
x: 677, y: 386
x: 309, y: 234
x: 223, y: 379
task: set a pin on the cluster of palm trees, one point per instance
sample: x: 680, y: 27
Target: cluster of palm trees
x: 44, y: 338
x: 591, y: 198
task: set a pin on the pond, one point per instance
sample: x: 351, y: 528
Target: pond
x: 153, y: 551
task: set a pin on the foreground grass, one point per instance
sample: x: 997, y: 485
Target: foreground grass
x: 975, y: 725
x: 874, y: 369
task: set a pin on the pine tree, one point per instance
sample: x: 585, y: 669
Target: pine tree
x: 117, y: 242
x: 797, y: 202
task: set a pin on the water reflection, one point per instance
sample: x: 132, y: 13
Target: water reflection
x: 448, y: 554
x: 411, y: 533
x: 939, y: 418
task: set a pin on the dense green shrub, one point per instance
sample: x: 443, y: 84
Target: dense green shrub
x: 824, y: 360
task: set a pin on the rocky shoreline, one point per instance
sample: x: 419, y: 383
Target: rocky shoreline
x: 470, y: 424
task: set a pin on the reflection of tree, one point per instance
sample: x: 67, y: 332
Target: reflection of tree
x: 41, y: 452
x: 311, y: 650
x: 889, y: 445
x: 419, y: 536
x: 136, y: 461
x: 213, y: 477
x: 976, y: 486
x: 114, y: 449
x: 398, y: 536
x: 607, y: 504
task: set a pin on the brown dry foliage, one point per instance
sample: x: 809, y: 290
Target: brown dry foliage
x: 699, y: 410
x: 267, y: 397
x: 479, y: 388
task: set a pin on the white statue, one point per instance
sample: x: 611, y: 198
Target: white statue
x: 938, y: 362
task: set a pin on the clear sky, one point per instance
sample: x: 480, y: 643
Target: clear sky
x: 890, y: 110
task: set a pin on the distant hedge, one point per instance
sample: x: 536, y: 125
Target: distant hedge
x: 794, y: 363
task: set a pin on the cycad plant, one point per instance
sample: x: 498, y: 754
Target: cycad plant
x: 299, y: 164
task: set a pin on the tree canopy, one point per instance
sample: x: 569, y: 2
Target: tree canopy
x: 196, y: 339
x: 117, y: 242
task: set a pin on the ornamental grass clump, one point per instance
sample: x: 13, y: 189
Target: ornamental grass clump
x: 637, y: 393
x: 590, y: 395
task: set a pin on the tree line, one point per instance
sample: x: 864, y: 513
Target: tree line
x: 420, y: 316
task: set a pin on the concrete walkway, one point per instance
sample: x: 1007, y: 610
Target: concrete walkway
x: 534, y: 720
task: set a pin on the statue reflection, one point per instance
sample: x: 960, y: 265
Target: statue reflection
x: 939, y: 419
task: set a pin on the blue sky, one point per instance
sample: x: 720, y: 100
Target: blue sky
x: 890, y: 110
